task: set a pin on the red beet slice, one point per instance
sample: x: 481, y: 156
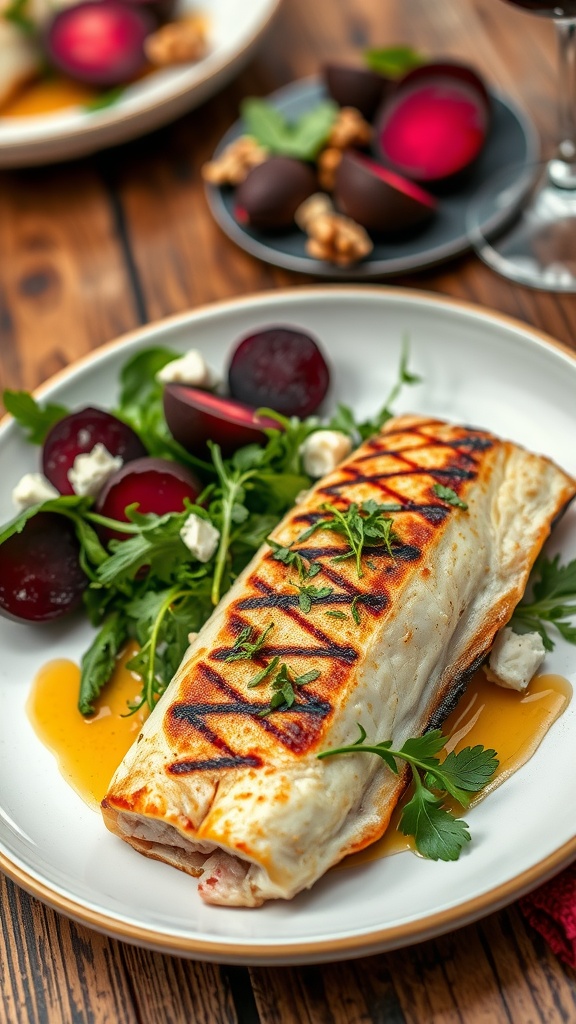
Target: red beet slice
x: 356, y: 87
x: 436, y: 123
x: 100, y: 42
x: 272, y: 192
x: 378, y: 198
x: 195, y: 417
x: 155, y: 485
x: 40, y: 573
x: 77, y: 434
x: 281, y: 368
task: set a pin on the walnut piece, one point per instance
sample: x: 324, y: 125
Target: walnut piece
x: 176, y: 42
x: 328, y: 163
x: 316, y: 205
x: 235, y: 162
x: 349, y: 129
x: 337, y: 239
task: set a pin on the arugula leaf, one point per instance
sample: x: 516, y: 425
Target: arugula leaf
x: 16, y: 13
x: 449, y: 496
x: 99, y: 661
x: 438, y: 834
x: 105, y: 99
x: 302, y: 139
x: 552, y: 585
x: 35, y: 420
x: 393, y: 61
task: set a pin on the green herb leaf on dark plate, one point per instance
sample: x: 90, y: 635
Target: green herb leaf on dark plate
x: 393, y: 61
x: 36, y: 420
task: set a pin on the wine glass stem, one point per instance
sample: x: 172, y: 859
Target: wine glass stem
x: 563, y: 167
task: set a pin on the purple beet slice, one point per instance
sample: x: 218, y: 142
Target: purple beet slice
x: 40, y: 573
x: 77, y: 434
x: 272, y: 192
x: 281, y: 368
x: 378, y: 198
x: 436, y: 123
x: 100, y: 42
x: 195, y: 417
x: 356, y: 87
x: 155, y: 485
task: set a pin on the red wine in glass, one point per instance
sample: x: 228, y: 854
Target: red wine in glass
x: 560, y: 9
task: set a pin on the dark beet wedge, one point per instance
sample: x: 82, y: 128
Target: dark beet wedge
x: 436, y: 123
x: 100, y: 42
x: 356, y: 87
x: 155, y: 485
x: 269, y: 196
x: 40, y: 573
x: 163, y: 10
x: 77, y: 434
x: 195, y: 417
x: 378, y: 198
x: 281, y: 368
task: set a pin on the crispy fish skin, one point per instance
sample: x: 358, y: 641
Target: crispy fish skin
x: 219, y: 791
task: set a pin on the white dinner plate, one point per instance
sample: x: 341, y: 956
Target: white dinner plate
x: 234, y: 27
x: 477, y: 367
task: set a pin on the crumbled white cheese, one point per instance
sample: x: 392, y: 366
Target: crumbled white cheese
x: 200, y: 537
x: 32, y: 489
x: 323, y: 451
x: 190, y: 369
x: 515, y: 658
x: 91, y: 470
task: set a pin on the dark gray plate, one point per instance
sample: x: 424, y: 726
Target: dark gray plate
x: 512, y: 140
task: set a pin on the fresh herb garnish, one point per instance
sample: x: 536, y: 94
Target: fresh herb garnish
x: 438, y: 834
x: 294, y: 559
x: 354, y: 608
x: 449, y: 496
x: 17, y: 13
x: 553, y: 586
x: 361, y: 525
x: 336, y: 615
x: 261, y: 675
x: 245, y: 647
x: 303, y: 139
x: 283, y: 693
x: 393, y: 61
x: 307, y: 595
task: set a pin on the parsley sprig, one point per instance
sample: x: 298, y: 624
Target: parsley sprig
x: 246, y: 645
x: 283, y: 686
x: 449, y: 496
x: 437, y: 832
x: 553, y: 589
x: 362, y: 525
x: 307, y: 595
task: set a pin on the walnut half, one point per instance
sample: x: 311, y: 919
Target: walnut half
x: 235, y: 162
x: 331, y: 236
x: 177, y: 42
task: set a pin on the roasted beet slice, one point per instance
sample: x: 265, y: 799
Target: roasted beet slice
x: 100, y: 42
x: 269, y: 196
x: 436, y: 123
x: 196, y: 417
x: 77, y: 434
x: 378, y: 198
x: 155, y: 485
x: 40, y: 573
x: 356, y: 87
x: 281, y: 368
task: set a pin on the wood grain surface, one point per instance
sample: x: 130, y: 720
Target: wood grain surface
x: 93, y: 248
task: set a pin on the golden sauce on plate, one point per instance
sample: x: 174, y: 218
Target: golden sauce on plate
x: 514, y: 724
x: 88, y: 750
x: 48, y: 95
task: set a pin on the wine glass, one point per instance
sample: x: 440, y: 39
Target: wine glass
x: 537, y: 245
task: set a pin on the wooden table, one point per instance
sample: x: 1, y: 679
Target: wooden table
x: 92, y: 249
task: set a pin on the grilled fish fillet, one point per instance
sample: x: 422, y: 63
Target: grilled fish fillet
x: 240, y: 799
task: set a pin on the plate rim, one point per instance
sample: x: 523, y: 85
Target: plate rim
x: 370, y: 269
x: 31, y: 143
x: 309, y: 951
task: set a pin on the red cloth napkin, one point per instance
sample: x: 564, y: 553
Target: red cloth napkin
x: 551, y: 910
